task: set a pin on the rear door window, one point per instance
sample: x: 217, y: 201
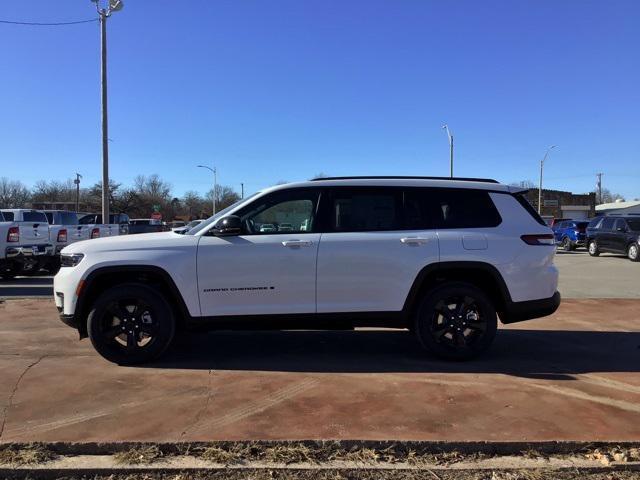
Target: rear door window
x: 8, y: 216
x: 620, y: 223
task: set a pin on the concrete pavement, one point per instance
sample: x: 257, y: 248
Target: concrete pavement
x: 572, y: 376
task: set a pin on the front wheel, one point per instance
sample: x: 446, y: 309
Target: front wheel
x: 592, y: 248
x: 456, y: 321
x: 633, y: 252
x: 131, y: 324
x: 567, y: 245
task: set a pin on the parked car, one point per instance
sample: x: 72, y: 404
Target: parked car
x: 442, y: 257
x: 118, y: 224
x: 570, y: 234
x: 146, y: 225
x: 26, y: 242
x: 556, y: 221
x: 64, y: 230
x: 187, y: 227
x: 615, y: 234
x: 176, y: 224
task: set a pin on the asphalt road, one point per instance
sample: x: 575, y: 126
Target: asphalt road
x: 581, y: 276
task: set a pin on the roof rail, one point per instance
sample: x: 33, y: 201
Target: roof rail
x: 400, y: 177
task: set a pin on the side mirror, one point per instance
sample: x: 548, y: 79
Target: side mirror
x: 227, y: 226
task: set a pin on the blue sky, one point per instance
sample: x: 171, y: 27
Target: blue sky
x: 284, y: 89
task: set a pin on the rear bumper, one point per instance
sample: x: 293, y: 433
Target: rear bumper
x: 29, y: 251
x: 520, y: 311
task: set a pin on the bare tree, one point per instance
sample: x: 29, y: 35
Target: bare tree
x: 524, y: 184
x: 13, y: 193
x: 608, y: 197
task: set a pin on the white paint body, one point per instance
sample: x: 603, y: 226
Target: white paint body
x: 322, y: 272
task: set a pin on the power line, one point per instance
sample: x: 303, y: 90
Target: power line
x: 55, y: 24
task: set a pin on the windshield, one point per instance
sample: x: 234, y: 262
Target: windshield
x: 634, y: 225
x: 209, y: 221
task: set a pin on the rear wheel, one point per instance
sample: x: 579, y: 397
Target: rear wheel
x: 456, y: 321
x: 592, y: 248
x: 633, y: 252
x: 567, y: 245
x: 131, y: 324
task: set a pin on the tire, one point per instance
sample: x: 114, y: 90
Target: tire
x: 592, y: 248
x: 633, y: 252
x: 567, y: 245
x: 473, y: 321
x: 8, y: 271
x: 131, y: 324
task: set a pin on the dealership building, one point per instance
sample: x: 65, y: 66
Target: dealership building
x: 561, y: 204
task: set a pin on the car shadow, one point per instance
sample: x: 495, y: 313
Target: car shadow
x: 524, y: 353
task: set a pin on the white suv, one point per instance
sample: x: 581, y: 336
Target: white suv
x: 442, y: 257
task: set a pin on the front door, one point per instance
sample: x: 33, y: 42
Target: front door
x: 271, y: 267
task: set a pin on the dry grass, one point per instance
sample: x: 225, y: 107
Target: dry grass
x: 289, y: 453
x: 142, y: 455
x: 29, y: 455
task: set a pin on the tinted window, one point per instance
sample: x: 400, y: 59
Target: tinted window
x: 417, y: 209
x: 620, y: 223
x: 34, y: 217
x: 582, y: 225
x: 364, y: 209
x: 2, y: 217
x: 465, y: 209
x: 281, y: 213
x: 87, y: 220
x: 607, y: 223
x: 69, y: 218
x: 634, y: 225
x: 595, y: 222
x: 8, y: 216
x: 49, y: 217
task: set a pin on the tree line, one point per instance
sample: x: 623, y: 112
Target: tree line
x: 146, y: 195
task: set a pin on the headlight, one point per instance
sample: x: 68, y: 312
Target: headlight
x: 70, y: 259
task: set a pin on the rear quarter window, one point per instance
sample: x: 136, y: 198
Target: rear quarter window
x: 461, y: 208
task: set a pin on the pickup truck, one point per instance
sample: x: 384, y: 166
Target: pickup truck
x: 25, y: 243
x: 64, y: 230
x: 118, y: 225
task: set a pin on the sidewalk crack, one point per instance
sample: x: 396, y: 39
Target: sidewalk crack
x: 202, y: 409
x: 5, y: 411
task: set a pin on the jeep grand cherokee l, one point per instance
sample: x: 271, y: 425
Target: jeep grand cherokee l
x: 442, y: 257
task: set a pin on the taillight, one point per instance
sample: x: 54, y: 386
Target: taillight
x: 539, y: 239
x: 13, y: 235
x: 62, y: 235
x: 95, y: 233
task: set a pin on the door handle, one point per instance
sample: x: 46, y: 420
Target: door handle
x: 414, y: 240
x: 297, y: 243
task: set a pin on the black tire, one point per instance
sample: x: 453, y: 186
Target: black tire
x: 567, y: 245
x: 131, y: 324
x: 592, y: 248
x: 473, y: 321
x: 8, y: 271
x: 633, y: 252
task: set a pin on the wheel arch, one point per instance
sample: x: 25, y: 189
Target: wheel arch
x: 480, y: 274
x: 109, y: 276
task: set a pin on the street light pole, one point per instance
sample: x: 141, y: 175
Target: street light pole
x: 104, y: 13
x: 544, y: 159
x: 215, y: 183
x: 77, y: 182
x: 446, y: 127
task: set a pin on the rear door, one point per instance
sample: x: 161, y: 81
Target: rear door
x: 619, y: 235
x: 265, y: 270
x: 605, y: 234
x: 368, y: 257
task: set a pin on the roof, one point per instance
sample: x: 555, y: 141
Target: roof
x: 617, y: 205
x: 443, y: 182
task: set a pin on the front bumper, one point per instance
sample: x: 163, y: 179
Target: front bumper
x: 520, y: 311
x: 29, y: 251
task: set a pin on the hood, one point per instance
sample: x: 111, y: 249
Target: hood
x: 142, y: 241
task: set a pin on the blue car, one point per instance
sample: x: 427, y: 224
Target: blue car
x: 570, y: 234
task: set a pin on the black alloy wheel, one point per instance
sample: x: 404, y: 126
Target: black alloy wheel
x: 131, y: 324
x: 456, y: 321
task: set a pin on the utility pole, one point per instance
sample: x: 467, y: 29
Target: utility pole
x: 215, y: 184
x: 77, y: 182
x: 540, y: 185
x: 104, y: 13
x: 446, y: 127
x: 241, y: 190
x: 599, y: 187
